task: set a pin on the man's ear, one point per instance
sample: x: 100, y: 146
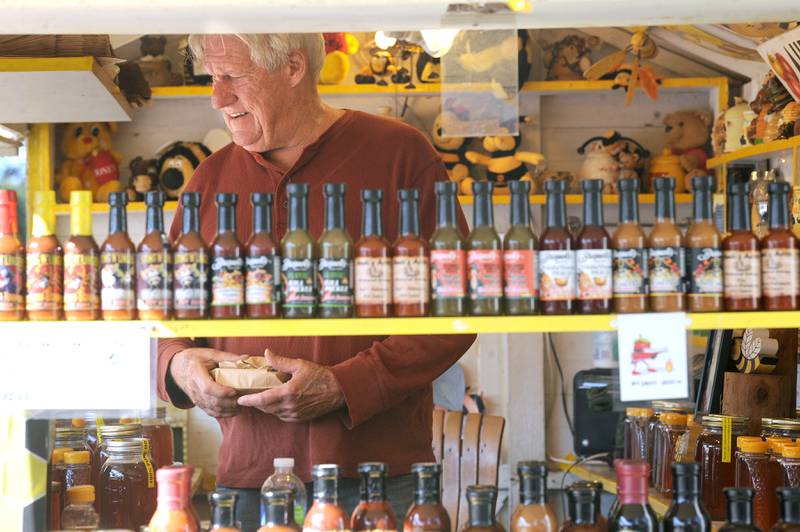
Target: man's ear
x: 298, y: 67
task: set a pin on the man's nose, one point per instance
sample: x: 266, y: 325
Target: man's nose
x: 221, y: 96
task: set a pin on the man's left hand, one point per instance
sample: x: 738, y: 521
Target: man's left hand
x: 311, y: 392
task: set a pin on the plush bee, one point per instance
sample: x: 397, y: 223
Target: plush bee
x: 452, y: 152
x: 381, y: 65
x: 504, y: 163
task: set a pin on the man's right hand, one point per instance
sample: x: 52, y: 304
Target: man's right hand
x: 190, y: 371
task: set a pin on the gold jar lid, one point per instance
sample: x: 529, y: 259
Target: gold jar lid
x: 120, y: 431
x: 780, y: 423
x: 715, y: 420
x: 673, y: 406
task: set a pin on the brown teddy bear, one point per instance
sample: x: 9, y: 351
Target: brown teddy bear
x: 688, y: 135
x: 144, y: 178
x: 89, y: 162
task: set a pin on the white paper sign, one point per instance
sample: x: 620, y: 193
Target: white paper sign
x: 76, y: 366
x: 653, y: 362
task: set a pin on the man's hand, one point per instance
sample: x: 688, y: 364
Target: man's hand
x: 190, y: 371
x: 311, y: 392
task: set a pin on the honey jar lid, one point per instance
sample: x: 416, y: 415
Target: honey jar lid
x: 780, y: 423
x: 78, y: 422
x: 633, y: 411
x: 673, y: 418
x: 80, y: 494
x: 673, y: 406
x: 742, y: 439
x: 776, y: 444
x: 57, y: 456
x: 715, y: 420
x: 753, y: 446
x: 646, y: 412
x: 77, y: 457
x: 790, y: 451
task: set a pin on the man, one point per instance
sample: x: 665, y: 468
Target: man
x: 349, y: 399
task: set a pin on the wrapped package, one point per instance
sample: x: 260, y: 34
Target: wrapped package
x: 248, y: 375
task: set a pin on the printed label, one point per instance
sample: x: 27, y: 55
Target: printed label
x: 665, y: 270
x: 11, y: 284
x: 373, y: 280
x: 335, y: 283
x: 410, y: 280
x: 557, y: 275
x: 44, y: 281
x: 705, y: 271
x: 727, y: 436
x: 519, y: 274
x: 630, y: 271
x: 742, y: 272
x: 263, y: 273
x: 154, y: 285
x: 81, y: 281
x: 448, y: 273
x: 117, y: 278
x: 297, y: 276
x: 148, y: 465
x: 593, y: 267
x: 190, y: 275
x: 779, y: 270
x: 485, y: 268
x: 227, y: 281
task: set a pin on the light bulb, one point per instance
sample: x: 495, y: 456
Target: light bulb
x: 520, y: 5
x: 438, y: 42
x: 383, y: 41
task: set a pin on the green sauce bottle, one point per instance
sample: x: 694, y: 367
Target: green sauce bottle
x: 448, y: 257
x: 297, y: 249
x: 335, y: 263
x: 519, y: 254
x: 484, y: 256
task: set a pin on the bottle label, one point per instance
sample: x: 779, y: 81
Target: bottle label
x: 263, y: 276
x: 297, y: 276
x: 117, y: 278
x: 410, y: 280
x: 448, y: 273
x: 485, y: 267
x: 12, y: 266
x: 779, y: 270
x: 81, y: 281
x: 190, y: 278
x: 557, y: 275
x: 373, y: 280
x: 335, y: 283
x: 742, y: 270
x: 227, y: 281
x: 154, y: 287
x: 630, y: 272
x: 594, y: 270
x: 705, y: 271
x: 519, y: 274
x: 665, y: 269
x: 44, y: 281
x: 299, y: 514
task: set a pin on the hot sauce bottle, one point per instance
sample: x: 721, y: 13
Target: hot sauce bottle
x: 373, y: 262
x: 665, y: 252
x: 448, y: 258
x: 533, y: 513
x: 263, y: 263
x: 118, y: 264
x: 190, y: 294
x: 12, y: 260
x: 630, y: 252
x: 154, y: 264
x: 45, y: 261
x: 335, y: 263
x: 325, y: 514
x: 779, y: 255
x: 519, y: 254
x: 481, y: 502
x: 484, y: 256
x: 704, y: 256
x: 410, y: 260
x: 427, y: 514
x: 227, y: 262
x: 593, y: 258
x: 276, y: 507
x: 81, y: 262
x: 297, y: 252
x: 556, y: 255
x: 741, y: 255
x: 373, y: 511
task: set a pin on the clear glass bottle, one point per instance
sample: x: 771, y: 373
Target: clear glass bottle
x: 45, y: 261
x: 484, y: 256
x: 533, y: 513
x: 172, y: 512
x: 448, y: 256
x: 227, y: 262
x: 686, y: 512
x: 284, y: 478
x: 373, y: 511
x: 482, y: 500
x: 79, y: 512
x: 739, y: 502
x: 118, y: 264
x: 335, y: 258
x: 325, y: 514
x: 223, y: 511
x: 276, y: 511
x: 427, y: 514
x: 297, y: 253
x: 520, y: 278
x: 671, y: 425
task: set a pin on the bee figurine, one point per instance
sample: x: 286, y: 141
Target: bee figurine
x: 504, y: 163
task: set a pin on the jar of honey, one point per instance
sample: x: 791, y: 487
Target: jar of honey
x: 659, y: 407
x: 105, y: 434
x: 780, y: 428
x: 126, y: 485
x: 753, y: 471
x: 670, y: 427
x: 790, y: 466
x: 715, y: 453
x: 634, y: 441
x: 159, y: 432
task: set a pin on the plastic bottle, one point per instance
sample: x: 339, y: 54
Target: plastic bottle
x: 284, y: 478
x: 79, y: 513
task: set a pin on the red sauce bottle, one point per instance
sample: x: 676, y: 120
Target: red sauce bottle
x: 741, y: 255
x: 373, y: 278
x: 81, y: 262
x: 593, y: 259
x: 190, y: 294
x: 118, y: 264
x: 779, y: 254
x: 12, y: 260
x: 154, y: 264
x: 45, y: 261
x: 373, y: 511
x: 556, y: 255
x: 410, y: 262
x: 227, y: 262
x: 263, y: 262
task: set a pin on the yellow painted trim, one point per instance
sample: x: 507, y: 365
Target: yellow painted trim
x: 46, y: 64
x: 574, y: 199
x: 102, y: 208
x: 181, y: 91
x: 757, y: 150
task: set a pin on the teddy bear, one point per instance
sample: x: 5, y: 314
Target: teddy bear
x: 156, y: 68
x: 504, y: 163
x: 688, y: 135
x: 89, y: 162
x: 568, y: 59
x: 452, y: 152
x: 144, y: 177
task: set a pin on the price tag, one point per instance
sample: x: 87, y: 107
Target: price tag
x: 653, y: 362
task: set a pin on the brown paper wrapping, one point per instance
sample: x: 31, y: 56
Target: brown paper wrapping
x: 249, y: 375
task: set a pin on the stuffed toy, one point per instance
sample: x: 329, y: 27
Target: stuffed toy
x: 688, y: 135
x: 567, y: 59
x: 89, y: 163
x: 452, y: 152
x: 176, y: 164
x: 144, y: 178
x: 338, y: 48
x: 599, y: 162
x: 156, y: 68
x: 379, y: 67
x: 429, y: 68
x: 573, y: 185
x: 504, y: 163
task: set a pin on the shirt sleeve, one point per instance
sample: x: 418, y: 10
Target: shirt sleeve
x: 168, y: 390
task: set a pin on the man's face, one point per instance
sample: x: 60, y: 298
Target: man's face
x: 249, y: 98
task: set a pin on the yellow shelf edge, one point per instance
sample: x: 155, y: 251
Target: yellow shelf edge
x: 46, y: 64
x: 754, y: 151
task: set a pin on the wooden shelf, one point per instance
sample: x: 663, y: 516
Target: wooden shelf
x: 756, y: 152
x: 603, y: 473
x: 59, y: 89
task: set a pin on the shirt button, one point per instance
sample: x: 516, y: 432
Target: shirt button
x: 285, y: 204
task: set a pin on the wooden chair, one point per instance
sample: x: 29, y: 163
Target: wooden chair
x: 468, y: 448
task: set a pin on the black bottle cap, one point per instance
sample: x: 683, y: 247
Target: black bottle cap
x: 366, y: 468
x: 297, y: 189
x: 555, y: 187
x: 118, y: 199
x: 334, y: 189
x: 224, y: 198
x: 190, y: 199
x: 778, y: 187
x: 519, y: 187
x: 664, y: 183
x: 628, y: 184
x: 154, y: 198
x: 372, y: 194
x: 445, y: 187
x: 482, y: 187
x: 592, y: 185
x: 531, y: 467
x: 405, y: 194
x: 702, y: 182
x: 261, y: 198
x: 481, y: 493
x: 426, y: 467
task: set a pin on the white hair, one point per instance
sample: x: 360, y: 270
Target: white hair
x: 271, y: 50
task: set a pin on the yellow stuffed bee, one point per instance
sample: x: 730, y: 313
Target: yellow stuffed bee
x: 504, y: 163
